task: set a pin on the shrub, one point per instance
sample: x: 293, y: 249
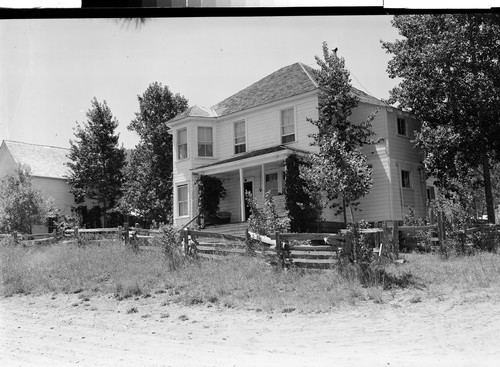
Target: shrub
x: 170, y: 241
x: 210, y: 193
x: 415, y: 241
x: 264, y: 219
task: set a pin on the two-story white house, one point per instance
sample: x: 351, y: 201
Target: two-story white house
x: 245, y: 139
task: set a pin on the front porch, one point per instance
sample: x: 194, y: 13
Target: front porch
x: 256, y: 172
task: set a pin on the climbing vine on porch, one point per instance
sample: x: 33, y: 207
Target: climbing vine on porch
x: 210, y: 193
x: 303, y: 204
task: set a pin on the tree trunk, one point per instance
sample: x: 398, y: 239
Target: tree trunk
x: 488, y: 191
x: 105, y: 209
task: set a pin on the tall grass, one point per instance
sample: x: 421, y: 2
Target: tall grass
x: 236, y: 282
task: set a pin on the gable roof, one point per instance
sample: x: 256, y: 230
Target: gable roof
x: 44, y: 161
x: 286, y: 82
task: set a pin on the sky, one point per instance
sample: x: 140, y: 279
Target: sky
x: 51, y: 69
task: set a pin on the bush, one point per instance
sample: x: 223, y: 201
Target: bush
x: 169, y: 239
x: 265, y: 220
x: 415, y: 241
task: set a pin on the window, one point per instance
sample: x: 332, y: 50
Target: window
x: 272, y: 183
x: 205, y: 142
x: 287, y: 126
x: 405, y: 179
x: 182, y: 150
x: 182, y: 200
x: 402, y: 126
x: 431, y: 194
x: 240, y: 145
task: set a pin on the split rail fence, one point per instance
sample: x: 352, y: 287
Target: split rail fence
x: 309, y: 250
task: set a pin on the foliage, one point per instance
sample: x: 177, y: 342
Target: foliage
x: 303, y: 205
x: 170, y: 240
x: 96, y: 160
x: 340, y: 168
x: 419, y: 240
x: 210, y: 192
x: 148, y: 187
x: 264, y: 220
x: 450, y: 74
x: 89, y: 218
x: 363, y: 242
x: 21, y: 204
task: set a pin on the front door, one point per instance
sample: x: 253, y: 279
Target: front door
x: 247, y: 186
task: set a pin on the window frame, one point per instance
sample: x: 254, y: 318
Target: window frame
x: 410, y: 183
x: 404, y: 124
x: 205, y: 143
x: 178, y: 132
x: 279, y: 181
x: 179, y: 202
x: 294, y: 124
x: 244, y: 144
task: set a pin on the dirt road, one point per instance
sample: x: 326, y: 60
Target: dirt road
x: 68, y: 330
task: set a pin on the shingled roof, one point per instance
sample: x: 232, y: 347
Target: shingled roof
x: 44, y: 161
x: 286, y: 82
x: 196, y: 111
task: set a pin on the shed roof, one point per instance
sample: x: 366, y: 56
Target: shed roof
x: 44, y: 161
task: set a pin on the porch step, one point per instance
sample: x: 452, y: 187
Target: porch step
x: 235, y: 229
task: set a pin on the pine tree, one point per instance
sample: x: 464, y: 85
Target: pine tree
x: 96, y: 160
x: 148, y: 188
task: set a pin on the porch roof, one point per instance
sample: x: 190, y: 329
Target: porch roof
x: 256, y: 157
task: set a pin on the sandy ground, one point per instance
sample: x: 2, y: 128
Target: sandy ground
x: 65, y: 330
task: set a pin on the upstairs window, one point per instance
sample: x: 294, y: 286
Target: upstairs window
x: 287, y: 126
x: 182, y: 147
x: 240, y: 144
x: 205, y: 142
x: 402, y: 127
x: 405, y: 179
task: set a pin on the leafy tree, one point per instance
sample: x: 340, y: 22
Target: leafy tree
x: 340, y: 169
x: 96, y: 160
x: 148, y: 188
x: 449, y: 65
x: 21, y: 204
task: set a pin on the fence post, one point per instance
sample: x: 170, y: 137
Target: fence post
x: 126, y: 233
x: 16, y: 240
x: 395, y: 238
x: 77, y: 237
x: 385, y: 236
x: 120, y: 232
x: 348, y: 244
x: 278, y: 249
x: 441, y: 230
x: 185, y: 236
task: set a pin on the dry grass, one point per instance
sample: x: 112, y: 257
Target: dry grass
x: 238, y: 281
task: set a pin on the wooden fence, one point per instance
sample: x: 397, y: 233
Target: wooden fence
x: 130, y: 236
x: 211, y: 245
x: 309, y: 250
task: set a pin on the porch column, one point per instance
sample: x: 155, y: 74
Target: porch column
x: 263, y: 180
x: 242, y: 196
